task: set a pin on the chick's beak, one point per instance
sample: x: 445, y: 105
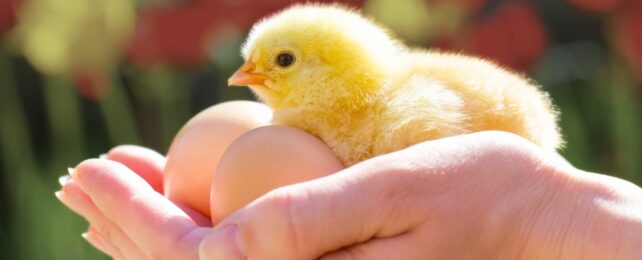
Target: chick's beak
x: 245, y: 76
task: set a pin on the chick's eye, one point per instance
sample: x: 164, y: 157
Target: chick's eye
x: 285, y: 59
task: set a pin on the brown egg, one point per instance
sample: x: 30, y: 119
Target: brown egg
x: 197, y: 148
x: 264, y: 159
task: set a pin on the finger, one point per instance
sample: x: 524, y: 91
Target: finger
x: 99, y: 241
x: 143, y: 161
x: 73, y: 197
x: 306, y: 220
x: 403, y: 246
x: 223, y: 244
x: 151, y: 164
x: 155, y: 224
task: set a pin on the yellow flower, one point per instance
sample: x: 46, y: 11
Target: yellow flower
x: 62, y: 36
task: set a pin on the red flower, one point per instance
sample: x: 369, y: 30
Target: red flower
x: 181, y: 34
x: 92, y: 84
x: 598, y: 5
x: 628, y: 33
x: 514, y: 36
x: 8, y: 14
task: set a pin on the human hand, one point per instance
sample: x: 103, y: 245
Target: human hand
x: 131, y: 178
x: 489, y: 195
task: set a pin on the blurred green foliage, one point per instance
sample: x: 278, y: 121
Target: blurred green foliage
x: 50, y: 120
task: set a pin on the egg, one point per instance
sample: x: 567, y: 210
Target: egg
x: 196, y: 150
x: 263, y: 159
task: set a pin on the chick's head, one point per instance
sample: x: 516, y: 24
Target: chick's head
x: 316, y: 56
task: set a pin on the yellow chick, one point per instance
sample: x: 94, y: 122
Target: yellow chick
x: 337, y: 75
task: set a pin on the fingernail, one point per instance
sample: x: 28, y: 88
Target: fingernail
x: 102, y: 156
x: 231, y: 231
x: 63, y: 179
x: 58, y: 194
x: 238, y: 240
x: 71, y: 171
x: 94, y: 240
x: 228, y: 242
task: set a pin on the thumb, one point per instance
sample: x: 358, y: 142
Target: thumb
x: 307, y: 220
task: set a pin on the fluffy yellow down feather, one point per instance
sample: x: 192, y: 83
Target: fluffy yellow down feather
x: 335, y: 74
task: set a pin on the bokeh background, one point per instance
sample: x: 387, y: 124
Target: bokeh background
x: 80, y: 76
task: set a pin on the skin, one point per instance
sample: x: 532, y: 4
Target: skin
x: 484, y: 195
